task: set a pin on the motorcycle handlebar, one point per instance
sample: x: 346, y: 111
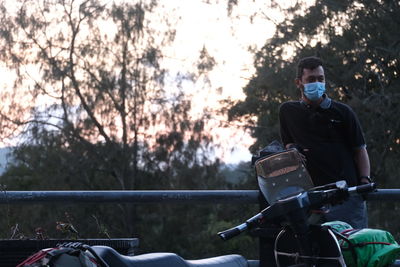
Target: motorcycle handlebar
x: 361, y: 189
x: 228, y: 234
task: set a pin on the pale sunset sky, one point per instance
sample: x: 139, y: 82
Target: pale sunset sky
x: 227, y: 39
x: 205, y: 23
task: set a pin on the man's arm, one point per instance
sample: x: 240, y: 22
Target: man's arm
x: 362, y: 161
x: 286, y: 138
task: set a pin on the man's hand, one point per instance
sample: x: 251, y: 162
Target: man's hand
x: 365, y: 180
x: 299, y: 149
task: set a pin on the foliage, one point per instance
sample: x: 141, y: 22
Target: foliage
x: 187, y: 229
x: 359, y: 44
x: 95, y: 109
x: 104, y: 91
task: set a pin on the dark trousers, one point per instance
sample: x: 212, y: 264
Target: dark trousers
x: 353, y: 211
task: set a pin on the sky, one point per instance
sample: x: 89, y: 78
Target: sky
x: 227, y: 38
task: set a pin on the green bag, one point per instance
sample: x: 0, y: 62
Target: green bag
x: 365, y: 247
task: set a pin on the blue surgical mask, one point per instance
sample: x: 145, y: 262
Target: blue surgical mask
x: 314, y: 91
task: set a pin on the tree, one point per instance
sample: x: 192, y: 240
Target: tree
x: 97, y: 112
x: 360, y: 46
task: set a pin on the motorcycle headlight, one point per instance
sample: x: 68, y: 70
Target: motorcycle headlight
x: 282, y: 174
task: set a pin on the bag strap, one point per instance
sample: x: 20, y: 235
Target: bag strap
x: 349, y: 232
x: 361, y: 244
x: 36, y: 257
x: 343, y: 236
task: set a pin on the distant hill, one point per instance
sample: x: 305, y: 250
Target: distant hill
x: 237, y: 173
x: 3, y: 158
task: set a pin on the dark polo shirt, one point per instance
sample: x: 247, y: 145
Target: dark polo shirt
x: 329, y: 134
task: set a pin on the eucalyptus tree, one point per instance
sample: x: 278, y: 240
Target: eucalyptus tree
x: 92, y: 103
x: 359, y: 43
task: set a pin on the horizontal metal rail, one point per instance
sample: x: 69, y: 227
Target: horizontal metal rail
x: 155, y: 196
x: 385, y: 194
x: 133, y: 196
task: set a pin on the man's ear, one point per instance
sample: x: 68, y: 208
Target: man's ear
x: 298, y: 83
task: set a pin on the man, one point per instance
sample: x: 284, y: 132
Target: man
x: 330, y: 137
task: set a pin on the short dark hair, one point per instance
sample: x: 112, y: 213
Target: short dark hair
x: 308, y: 63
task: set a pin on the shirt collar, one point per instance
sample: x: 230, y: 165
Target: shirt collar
x: 325, y: 103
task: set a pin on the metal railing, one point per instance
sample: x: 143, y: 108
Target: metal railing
x: 155, y: 196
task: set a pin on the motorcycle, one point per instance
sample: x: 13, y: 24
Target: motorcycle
x: 292, y: 198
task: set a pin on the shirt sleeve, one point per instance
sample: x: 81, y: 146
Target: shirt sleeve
x: 284, y: 129
x: 355, y: 132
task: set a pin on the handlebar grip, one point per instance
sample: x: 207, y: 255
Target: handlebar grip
x: 228, y: 234
x: 365, y: 188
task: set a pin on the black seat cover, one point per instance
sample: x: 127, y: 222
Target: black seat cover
x: 114, y: 259
x: 161, y: 259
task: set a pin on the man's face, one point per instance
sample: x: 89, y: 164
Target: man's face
x: 312, y: 76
